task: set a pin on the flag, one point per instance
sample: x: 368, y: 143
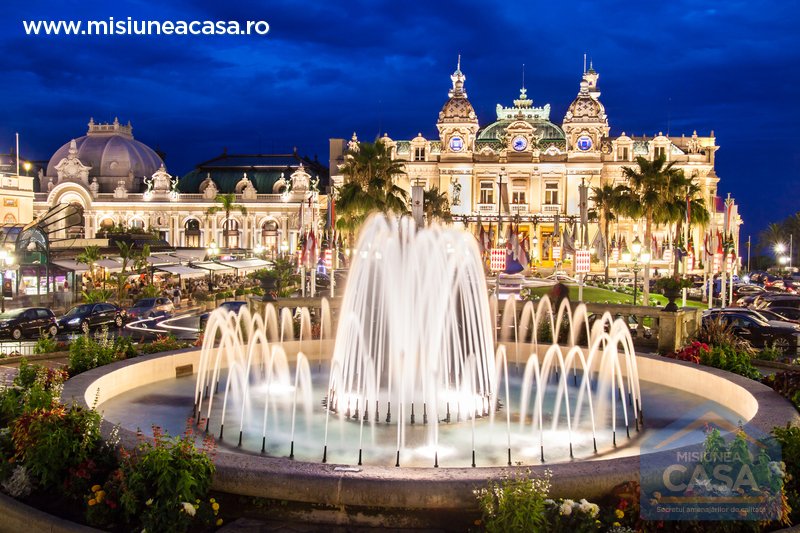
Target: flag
x: 331, y: 221
x: 599, y: 245
x: 569, y: 242
x: 482, y: 238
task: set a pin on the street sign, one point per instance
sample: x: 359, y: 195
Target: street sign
x: 556, y: 253
x: 497, y: 259
x: 583, y: 261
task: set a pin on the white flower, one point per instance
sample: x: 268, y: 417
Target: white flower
x: 188, y: 508
x: 566, y: 508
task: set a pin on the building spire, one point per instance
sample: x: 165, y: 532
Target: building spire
x: 458, y: 82
x: 523, y: 75
x: 584, y: 63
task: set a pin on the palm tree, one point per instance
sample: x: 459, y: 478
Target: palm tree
x: 227, y: 204
x: 607, y: 200
x: 648, y: 199
x: 773, y: 235
x: 370, y: 175
x: 436, y: 205
x: 677, y: 192
x: 89, y: 256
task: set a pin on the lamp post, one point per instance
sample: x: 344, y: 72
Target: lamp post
x: 258, y: 250
x: 27, y: 166
x: 780, y: 249
x: 638, y: 258
x: 212, y: 251
x: 6, y: 264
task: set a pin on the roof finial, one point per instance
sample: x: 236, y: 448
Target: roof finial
x: 584, y: 63
x: 523, y: 75
x: 458, y: 67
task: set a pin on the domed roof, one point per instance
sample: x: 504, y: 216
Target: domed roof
x: 585, y: 107
x: 544, y: 129
x: 457, y: 109
x: 111, y: 151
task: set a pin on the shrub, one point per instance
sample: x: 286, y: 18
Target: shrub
x: 691, y: 353
x: 730, y: 359
x: 87, y: 352
x: 770, y: 353
x: 514, y: 503
x: 51, y: 442
x: 47, y: 344
x: 789, y: 439
x: 163, y: 343
x: 34, y: 387
x: 787, y: 384
x: 718, y: 333
x: 165, y: 481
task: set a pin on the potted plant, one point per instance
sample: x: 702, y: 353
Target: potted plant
x: 277, y: 281
x: 671, y: 287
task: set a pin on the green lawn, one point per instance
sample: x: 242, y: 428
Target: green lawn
x: 597, y: 295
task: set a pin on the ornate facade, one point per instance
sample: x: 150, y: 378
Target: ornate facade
x: 118, y: 181
x: 523, y: 167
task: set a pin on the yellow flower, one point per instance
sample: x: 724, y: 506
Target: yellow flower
x: 149, y: 502
x: 95, y: 488
x: 619, y: 513
x: 212, y: 500
x: 219, y: 521
x: 92, y: 502
x: 215, y: 506
x: 615, y: 524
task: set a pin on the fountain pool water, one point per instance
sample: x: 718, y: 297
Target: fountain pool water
x: 418, y: 375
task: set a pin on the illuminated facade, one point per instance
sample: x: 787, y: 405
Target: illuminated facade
x: 523, y: 167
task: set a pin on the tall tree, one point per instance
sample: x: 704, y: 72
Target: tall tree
x: 771, y: 236
x: 649, y: 186
x: 370, y: 186
x: 682, y: 193
x: 436, y: 205
x: 227, y: 203
x: 607, y: 200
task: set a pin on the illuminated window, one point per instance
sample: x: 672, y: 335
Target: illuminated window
x: 551, y: 193
x: 487, y: 192
x: 419, y: 154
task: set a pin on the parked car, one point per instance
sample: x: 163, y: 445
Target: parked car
x: 234, y: 306
x: 28, y: 322
x: 84, y: 317
x: 789, y: 313
x: 762, y: 314
x: 757, y: 331
x: 151, y: 307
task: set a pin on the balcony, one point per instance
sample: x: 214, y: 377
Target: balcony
x: 487, y: 208
x: 519, y: 209
x: 551, y: 208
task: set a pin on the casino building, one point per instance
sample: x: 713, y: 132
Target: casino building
x: 114, y: 180
x: 526, y: 168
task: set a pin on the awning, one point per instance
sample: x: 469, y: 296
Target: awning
x: 159, y: 260
x: 196, y: 254
x: 215, y: 267
x: 74, y: 266
x: 247, y: 265
x: 183, y: 271
x: 112, y: 265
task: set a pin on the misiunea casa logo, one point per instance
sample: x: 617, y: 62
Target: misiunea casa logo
x: 708, y: 466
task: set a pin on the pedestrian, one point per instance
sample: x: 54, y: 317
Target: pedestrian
x: 176, y: 296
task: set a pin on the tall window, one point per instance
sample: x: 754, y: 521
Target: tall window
x: 487, y: 192
x: 269, y: 236
x: 518, y: 197
x: 622, y: 153
x: 661, y: 151
x: 419, y: 154
x: 75, y: 222
x: 551, y: 193
x: 231, y: 233
x: 192, y: 231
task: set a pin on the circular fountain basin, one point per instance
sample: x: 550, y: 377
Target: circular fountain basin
x: 144, y: 391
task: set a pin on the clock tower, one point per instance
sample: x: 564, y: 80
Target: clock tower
x: 458, y: 123
x: 586, y: 124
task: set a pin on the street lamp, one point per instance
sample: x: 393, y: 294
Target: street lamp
x: 258, y: 250
x: 27, y: 166
x: 639, y: 259
x: 213, y: 249
x: 6, y: 264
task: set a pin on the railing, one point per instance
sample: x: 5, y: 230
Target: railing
x: 16, y: 348
x: 487, y: 208
x: 519, y: 208
x: 551, y: 208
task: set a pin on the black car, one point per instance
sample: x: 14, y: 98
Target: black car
x: 757, y: 331
x: 234, y: 306
x: 28, y: 322
x: 87, y: 316
x: 789, y: 313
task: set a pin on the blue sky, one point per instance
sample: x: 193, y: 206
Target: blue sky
x: 327, y: 69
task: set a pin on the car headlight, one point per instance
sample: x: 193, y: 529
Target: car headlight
x: 74, y: 320
x: 4, y: 323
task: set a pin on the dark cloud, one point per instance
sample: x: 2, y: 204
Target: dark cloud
x: 327, y: 69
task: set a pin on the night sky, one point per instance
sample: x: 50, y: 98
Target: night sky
x: 327, y: 70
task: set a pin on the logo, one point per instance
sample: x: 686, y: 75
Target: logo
x: 708, y: 466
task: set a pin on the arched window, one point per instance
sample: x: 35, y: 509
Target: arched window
x: 9, y: 219
x: 231, y: 233
x: 192, y: 230
x: 136, y: 223
x: 75, y: 221
x: 269, y: 236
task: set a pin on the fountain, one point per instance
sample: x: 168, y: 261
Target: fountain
x: 417, y: 372
x: 427, y: 389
